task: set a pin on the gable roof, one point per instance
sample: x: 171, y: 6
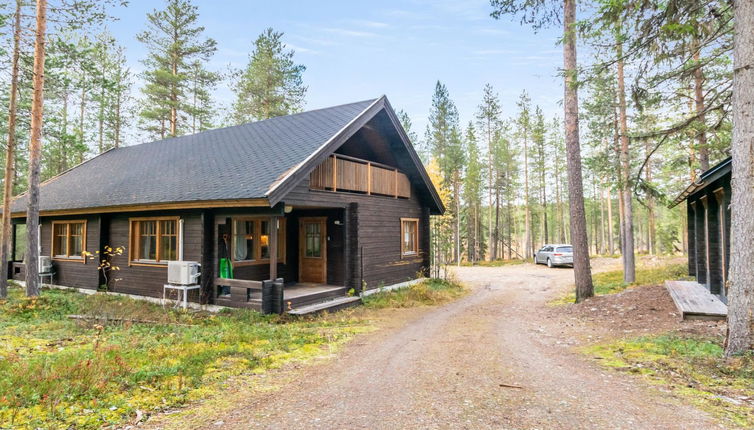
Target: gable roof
x: 712, y: 174
x: 252, y: 164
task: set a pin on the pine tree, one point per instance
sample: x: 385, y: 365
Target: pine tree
x: 472, y: 196
x: 175, y: 42
x: 488, y: 122
x: 523, y: 123
x: 444, y: 140
x: 271, y: 84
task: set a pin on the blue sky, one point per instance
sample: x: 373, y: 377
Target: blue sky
x: 355, y: 50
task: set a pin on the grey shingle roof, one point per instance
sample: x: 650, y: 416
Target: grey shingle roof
x: 239, y: 162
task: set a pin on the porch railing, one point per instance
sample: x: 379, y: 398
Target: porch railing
x: 242, y: 292
x: 344, y: 173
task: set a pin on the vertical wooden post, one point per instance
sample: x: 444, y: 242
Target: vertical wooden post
x: 334, y: 173
x: 369, y: 179
x: 273, y: 248
x: 395, y: 183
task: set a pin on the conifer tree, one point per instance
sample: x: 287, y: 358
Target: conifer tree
x: 175, y: 42
x: 271, y: 84
x: 488, y: 122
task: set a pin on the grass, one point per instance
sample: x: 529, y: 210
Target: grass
x: 693, y: 368
x: 612, y: 282
x: 429, y: 292
x: 56, y: 372
x: 61, y: 373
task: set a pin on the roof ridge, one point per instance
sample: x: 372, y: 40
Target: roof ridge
x: 183, y: 137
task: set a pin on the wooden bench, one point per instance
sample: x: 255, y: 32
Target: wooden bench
x: 694, y: 301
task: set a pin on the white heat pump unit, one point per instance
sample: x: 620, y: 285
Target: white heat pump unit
x: 183, y: 272
x: 45, y: 264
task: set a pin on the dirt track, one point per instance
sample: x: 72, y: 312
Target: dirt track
x: 490, y: 360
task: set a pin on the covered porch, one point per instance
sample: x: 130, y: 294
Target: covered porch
x: 307, y: 257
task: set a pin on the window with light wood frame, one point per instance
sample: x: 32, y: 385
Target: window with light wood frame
x: 409, y: 237
x: 250, y: 240
x: 69, y: 240
x: 154, y: 241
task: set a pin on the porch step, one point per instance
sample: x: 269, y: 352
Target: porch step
x: 327, y: 305
x: 695, y: 302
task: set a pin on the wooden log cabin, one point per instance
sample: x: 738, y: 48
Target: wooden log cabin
x: 328, y: 200
x: 708, y: 227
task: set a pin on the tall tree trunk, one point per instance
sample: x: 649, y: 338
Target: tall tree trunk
x: 457, y: 224
x: 581, y: 268
x: 10, y: 156
x: 35, y: 152
x: 490, y: 173
x: 603, y: 230
x: 741, y: 283
x: 701, y: 137
x: 529, y: 247
x: 651, y: 229
x: 544, y: 202
x: 497, y: 219
x: 610, y: 229
x: 629, y: 269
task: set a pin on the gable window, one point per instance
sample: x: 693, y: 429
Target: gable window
x: 154, y: 240
x: 69, y: 240
x: 251, y: 240
x: 409, y: 236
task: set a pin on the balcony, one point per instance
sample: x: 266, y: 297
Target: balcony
x: 341, y: 173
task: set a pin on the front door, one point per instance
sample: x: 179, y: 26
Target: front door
x: 312, y: 250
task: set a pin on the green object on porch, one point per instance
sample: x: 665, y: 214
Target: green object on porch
x: 226, y: 269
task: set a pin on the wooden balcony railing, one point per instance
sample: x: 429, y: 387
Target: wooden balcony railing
x: 343, y: 173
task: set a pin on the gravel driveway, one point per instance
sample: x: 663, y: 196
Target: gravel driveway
x: 487, y: 361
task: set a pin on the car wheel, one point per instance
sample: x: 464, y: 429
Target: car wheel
x: 549, y: 263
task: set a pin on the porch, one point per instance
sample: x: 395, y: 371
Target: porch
x: 299, y: 250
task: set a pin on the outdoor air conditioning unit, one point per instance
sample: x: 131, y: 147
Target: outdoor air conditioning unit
x: 45, y: 264
x: 183, y: 272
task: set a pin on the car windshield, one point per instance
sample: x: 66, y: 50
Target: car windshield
x: 564, y: 249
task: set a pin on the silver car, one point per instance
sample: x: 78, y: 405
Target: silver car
x: 555, y: 255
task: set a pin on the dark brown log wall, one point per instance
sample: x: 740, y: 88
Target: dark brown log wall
x: 74, y: 273
x: 379, y: 230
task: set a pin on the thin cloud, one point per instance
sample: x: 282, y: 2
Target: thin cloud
x: 302, y: 49
x: 351, y: 33
x: 368, y: 23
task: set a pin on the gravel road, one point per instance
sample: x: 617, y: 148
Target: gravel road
x: 491, y: 360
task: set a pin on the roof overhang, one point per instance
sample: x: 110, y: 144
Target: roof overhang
x: 204, y: 204
x: 706, y: 178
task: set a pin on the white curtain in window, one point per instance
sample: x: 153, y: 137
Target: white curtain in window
x: 240, y: 249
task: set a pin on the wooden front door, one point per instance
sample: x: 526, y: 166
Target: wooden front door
x: 312, y: 266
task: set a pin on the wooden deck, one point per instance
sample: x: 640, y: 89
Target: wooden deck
x: 695, y: 302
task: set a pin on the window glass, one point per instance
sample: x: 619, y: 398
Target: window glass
x: 168, y: 240
x: 409, y: 230
x: 243, y: 240
x: 264, y: 239
x: 59, y: 247
x: 76, y: 239
x: 565, y: 249
x: 148, y: 240
x: 68, y: 239
x: 313, y: 240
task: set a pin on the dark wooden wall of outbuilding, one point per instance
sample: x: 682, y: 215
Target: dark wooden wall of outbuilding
x: 709, y: 254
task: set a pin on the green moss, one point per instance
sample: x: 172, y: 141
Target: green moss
x: 611, y: 282
x: 429, y: 292
x: 56, y: 372
x: 693, y: 367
